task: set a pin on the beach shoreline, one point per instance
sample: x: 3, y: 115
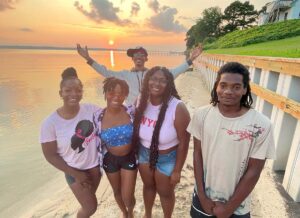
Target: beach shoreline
x: 267, y: 200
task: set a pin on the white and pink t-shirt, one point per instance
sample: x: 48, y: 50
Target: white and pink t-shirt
x: 168, y: 135
x: 76, y: 138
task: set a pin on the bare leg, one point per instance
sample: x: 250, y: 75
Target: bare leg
x: 85, y: 196
x: 128, y: 179
x: 166, y: 193
x: 115, y: 182
x: 149, y: 188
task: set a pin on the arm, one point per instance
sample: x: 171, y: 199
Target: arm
x: 243, y: 189
x: 206, y: 203
x: 50, y: 153
x: 182, y: 119
x: 183, y: 67
x: 101, y: 69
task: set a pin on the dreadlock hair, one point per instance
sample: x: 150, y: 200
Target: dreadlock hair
x: 110, y: 83
x: 234, y: 67
x: 169, y: 92
x: 67, y: 74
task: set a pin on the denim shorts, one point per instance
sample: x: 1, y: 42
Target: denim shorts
x: 165, y: 163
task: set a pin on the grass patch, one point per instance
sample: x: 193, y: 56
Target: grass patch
x: 289, y: 48
x: 258, y: 34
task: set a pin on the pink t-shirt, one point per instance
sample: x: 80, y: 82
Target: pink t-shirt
x: 76, y: 138
x: 168, y: 134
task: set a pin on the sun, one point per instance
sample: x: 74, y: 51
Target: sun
x: 111, y: 42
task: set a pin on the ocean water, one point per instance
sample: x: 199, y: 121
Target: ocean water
x: 29, y: 86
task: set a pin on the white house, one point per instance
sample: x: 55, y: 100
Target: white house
x: 280, y: 10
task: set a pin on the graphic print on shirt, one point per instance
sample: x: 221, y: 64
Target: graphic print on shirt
x: 83, y: 129
x: 148, y: 122
x: 246, y: 134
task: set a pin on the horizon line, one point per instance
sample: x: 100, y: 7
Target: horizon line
x: 41, y: 47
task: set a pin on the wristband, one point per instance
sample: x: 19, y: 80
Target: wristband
x: 190, y: 62
x: 90, y: 61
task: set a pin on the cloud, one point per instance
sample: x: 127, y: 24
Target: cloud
x: 7, y: 4
x: 165, y: 21
x: 102, y: 10
x: 25, y: 29
x: 154, y: 5
x: 135, y: 8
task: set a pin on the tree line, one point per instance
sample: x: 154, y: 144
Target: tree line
x: 214, y: 23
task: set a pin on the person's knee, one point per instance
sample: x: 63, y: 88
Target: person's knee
x: 90, y: 208
x: 149, y: 186
x: 165, y: 193
x: 117, y: 193
x: 129, y: 201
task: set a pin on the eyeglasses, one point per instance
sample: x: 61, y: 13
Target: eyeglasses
x: 139, y: 55
x: 159, y: 81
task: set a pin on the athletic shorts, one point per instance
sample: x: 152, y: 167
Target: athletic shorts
x: 165, y: 163
x: 113, y: 163
x: 197, y: 211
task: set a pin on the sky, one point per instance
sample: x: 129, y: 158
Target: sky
x: 154, y: 24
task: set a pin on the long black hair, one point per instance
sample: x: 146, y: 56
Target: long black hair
x: 234, y: 67
x: 169, y: 92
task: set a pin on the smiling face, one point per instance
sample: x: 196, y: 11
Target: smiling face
x: 139, y: 59
x: 115, y: 97
x: 71, y: 92
x: 157, y: 84
x: 230, y: 89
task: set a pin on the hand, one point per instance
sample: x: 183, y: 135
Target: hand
x: 221, y: 210
x: 207, y: 205
x: 196, y: 52
x: 175, y: 177
x: 83, y: 52
x: 83, y: 179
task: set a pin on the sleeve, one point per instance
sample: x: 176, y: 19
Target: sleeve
x: 264, y: 146
x: 195, y: 127
x: 101, y: 69
x: 179, y: 69
x: 47, y: 133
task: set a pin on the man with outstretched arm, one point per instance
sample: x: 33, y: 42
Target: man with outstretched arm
x: 231, y: 144
x: 134, y: 77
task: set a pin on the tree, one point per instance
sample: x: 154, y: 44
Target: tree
x: 209, y: 26
x: 239, y: 15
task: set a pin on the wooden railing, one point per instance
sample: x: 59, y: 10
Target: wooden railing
x: 276, y: 89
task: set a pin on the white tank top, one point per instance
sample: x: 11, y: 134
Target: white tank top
x: 168, y: 135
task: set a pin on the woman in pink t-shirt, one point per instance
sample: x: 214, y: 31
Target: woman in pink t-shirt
x: 161, y: 138
x: 69, y: 143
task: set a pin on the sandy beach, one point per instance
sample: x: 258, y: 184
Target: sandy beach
x: 268, y: 199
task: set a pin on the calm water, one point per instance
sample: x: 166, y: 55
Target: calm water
x: 29, y: 85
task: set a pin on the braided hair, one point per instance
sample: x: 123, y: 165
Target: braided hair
x: 170, y: 91
x: 236, y: 68
x: 110, y: 83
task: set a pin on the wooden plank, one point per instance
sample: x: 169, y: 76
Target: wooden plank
x: 287, y: 105
x: 290, y: 66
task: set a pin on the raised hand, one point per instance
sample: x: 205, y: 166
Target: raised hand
x: 196, y: 52
x: 83, y: 52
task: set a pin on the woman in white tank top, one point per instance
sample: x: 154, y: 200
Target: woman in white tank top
x: 161, y: 138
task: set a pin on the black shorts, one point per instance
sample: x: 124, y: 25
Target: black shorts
x: 113, y: 163
x: 197, y: 211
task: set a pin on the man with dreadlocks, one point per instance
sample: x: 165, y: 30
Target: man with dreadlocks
x: 134, y: 77
x: 231, y: 144
x: 160, y: 135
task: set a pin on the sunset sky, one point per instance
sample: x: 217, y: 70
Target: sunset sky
x: 155, y: 24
